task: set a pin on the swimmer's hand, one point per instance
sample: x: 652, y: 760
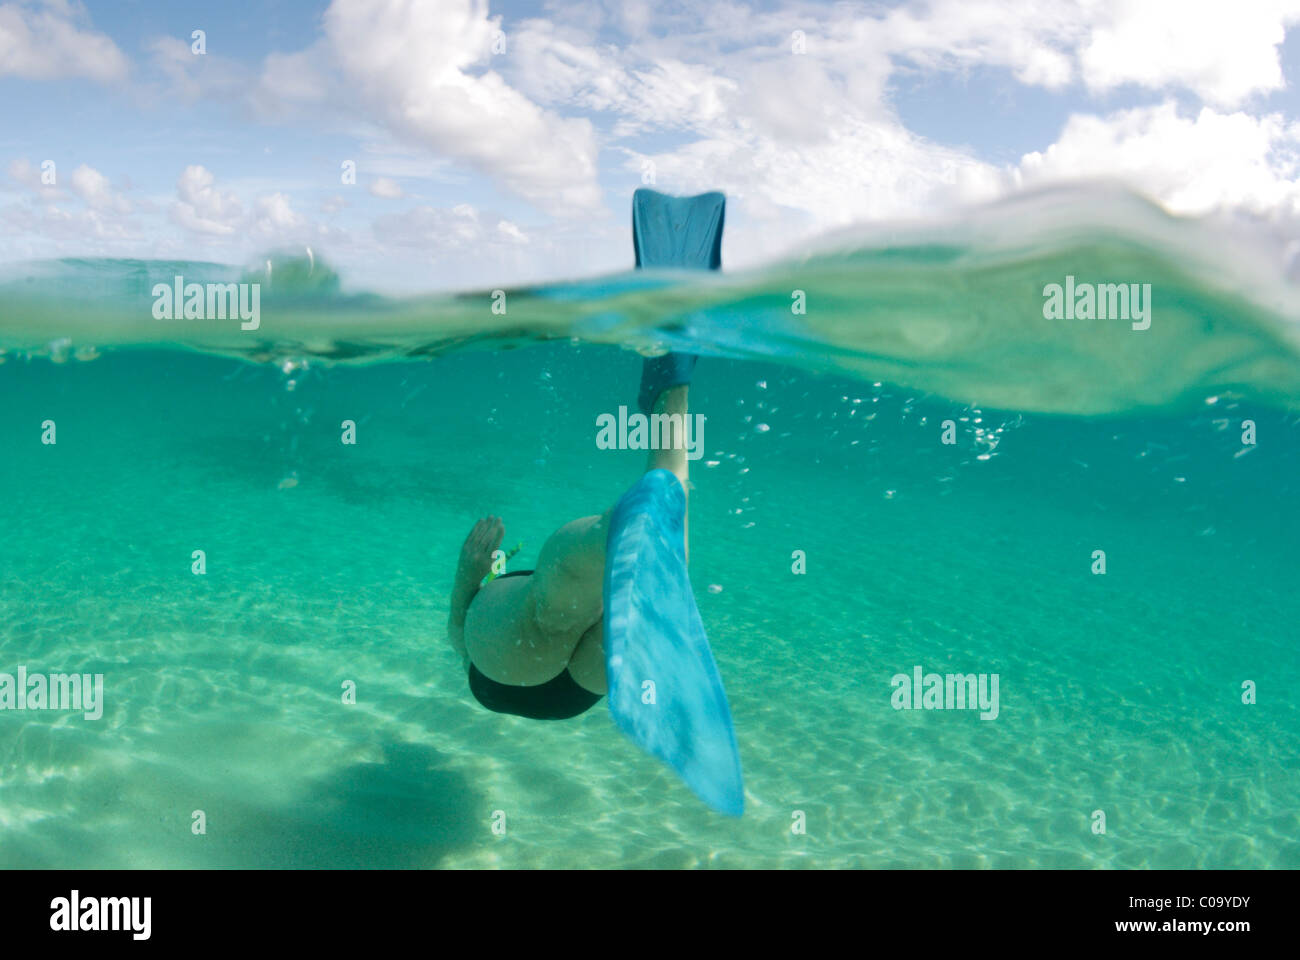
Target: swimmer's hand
x: 476, y: 553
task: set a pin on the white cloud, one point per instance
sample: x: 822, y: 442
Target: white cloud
x: 276, y: 217
x: 93, y: 187
x: 190, y: 75
x: 810, y: 141
x: 466, y: 247
x: 803, y: 142
x: 86, y: 216
x: 387, y: 188
x: 437, y: 229
x: 863, y: 171
x: 64, y: 230
x: 212, y: 213
x: 1034, y: 39
x: 511, y: 232
x: 202, y: 207
x: 563, y: 66
x: 710, y: 95
x: 53, y: 39
x: 90, y: 218
x: 26, y: 173
x: 1224, y: 53
x: 425, y: 71
x: 1191, y: 164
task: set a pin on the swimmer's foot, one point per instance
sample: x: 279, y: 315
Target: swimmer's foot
x: 476, y: 555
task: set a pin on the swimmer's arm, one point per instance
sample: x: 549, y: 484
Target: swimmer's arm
x: 461, y: 596
x: 474, y: 563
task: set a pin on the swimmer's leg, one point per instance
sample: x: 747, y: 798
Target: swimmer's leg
x: 587, y: 665
x: 567, y: 585
x: 474, y: 564
x: 672, y: 455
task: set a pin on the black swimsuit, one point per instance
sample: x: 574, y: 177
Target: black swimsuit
x: 557, y: 699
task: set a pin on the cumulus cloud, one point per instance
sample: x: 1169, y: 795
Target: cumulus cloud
x: 425, y: 71
x: 93, y: 187
x: 54, y: 39
x: 803, y: 142
x: 811, y: 141
x: 1193, y: 164
x: 85, y: 182
x: 202, y: 207
x: 387, y: 188
x: 1225, y: 54
x: 275, y: 217
x: 1036, y: 42
x: 90, y: 217
x: 212, y: 212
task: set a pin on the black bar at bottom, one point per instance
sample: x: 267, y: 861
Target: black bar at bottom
x: 330, y: 909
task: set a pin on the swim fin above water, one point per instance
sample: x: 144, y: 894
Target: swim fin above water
x: 664, y: 688
x: 678, y: 231
x: 674, y: 232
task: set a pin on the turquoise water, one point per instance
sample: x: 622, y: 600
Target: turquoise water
x: 329, y: 563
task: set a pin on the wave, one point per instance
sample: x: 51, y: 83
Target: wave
x: 959, y: 307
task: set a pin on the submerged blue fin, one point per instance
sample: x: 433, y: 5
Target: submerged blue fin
x: 674, y: 232
x: 660, y: 373
x: 664, y: 688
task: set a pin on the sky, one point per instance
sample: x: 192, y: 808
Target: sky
x: 498, y: 144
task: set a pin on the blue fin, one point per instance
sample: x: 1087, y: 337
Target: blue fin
x: 674, y: 232
x: 660, y: 373
x: 678, y: 231
x: 653, y: 634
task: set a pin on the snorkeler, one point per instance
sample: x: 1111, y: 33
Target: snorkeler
x: 609, y: 609
x: 531, y: 640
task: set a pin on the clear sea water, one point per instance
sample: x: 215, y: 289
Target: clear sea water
x: 329, y: 563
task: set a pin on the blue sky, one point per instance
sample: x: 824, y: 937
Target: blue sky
x: 479, y: 166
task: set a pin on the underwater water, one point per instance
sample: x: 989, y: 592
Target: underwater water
x: 329, y: 563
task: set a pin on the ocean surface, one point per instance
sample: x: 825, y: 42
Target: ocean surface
x: 1160, y: 693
